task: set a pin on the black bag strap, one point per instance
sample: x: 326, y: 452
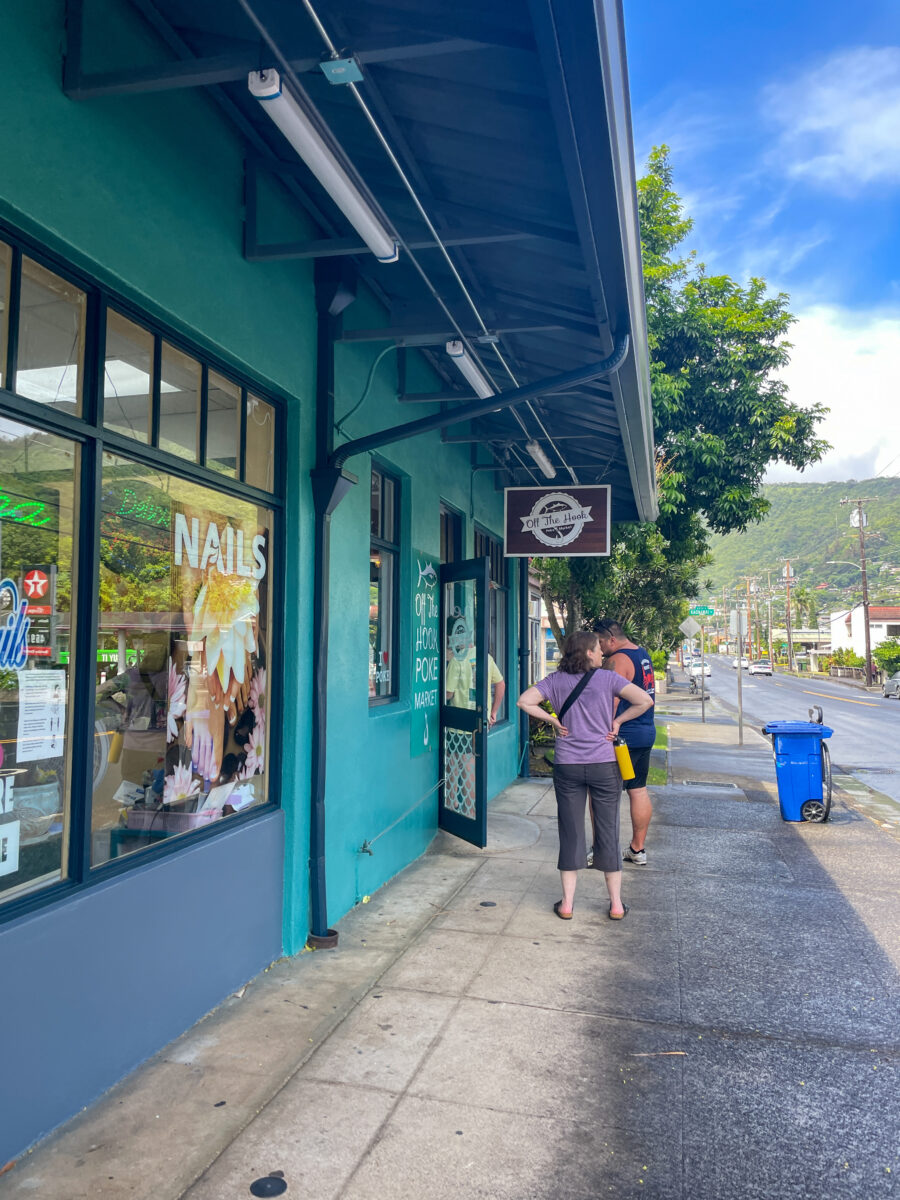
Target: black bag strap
x: 576, y: 692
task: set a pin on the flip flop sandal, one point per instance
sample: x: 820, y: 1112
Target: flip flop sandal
x: 612, y: 917
x: 557, y: 908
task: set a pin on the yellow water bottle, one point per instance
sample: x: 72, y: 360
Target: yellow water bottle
x: 623, y: 758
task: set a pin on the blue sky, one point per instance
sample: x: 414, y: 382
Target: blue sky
x: 784, y: 127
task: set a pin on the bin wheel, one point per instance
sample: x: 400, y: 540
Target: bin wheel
x: 814, y: 810
x: 819, y: 810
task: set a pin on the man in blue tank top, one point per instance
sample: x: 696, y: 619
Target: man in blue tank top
x: 632, y: 662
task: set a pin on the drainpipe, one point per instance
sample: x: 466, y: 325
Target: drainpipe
x: 335, y: 290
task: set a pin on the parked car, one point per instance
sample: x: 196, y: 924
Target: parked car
x: 745, y: 663
x: 891, y: 687
x: 700, y: 668
x: 761, y: 667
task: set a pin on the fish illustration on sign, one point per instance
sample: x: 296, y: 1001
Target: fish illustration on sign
x: 427, y: 573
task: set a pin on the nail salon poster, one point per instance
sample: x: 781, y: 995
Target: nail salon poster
x: 571, y: 522
x: 426, y: 655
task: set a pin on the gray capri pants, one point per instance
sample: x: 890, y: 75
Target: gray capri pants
x: 573, y: 782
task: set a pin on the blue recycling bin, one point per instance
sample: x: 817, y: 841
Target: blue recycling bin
x: 802, y: 769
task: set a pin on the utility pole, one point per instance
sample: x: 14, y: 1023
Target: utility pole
x: 788, y: 575
x: 750, y: 654
x: 861, y: 521
x: 769, y: 602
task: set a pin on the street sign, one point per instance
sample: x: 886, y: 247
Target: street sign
x: 702, y: 610
x: 689, y: 627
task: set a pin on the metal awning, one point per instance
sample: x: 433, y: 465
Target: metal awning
x: 511, y: 124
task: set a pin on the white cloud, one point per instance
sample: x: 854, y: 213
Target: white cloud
x: 849, y: 361
x: 840, y: 120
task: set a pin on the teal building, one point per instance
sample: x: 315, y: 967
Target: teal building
x: 289, y: 298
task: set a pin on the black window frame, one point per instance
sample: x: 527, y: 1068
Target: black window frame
x: 94, y: 439
x: 378, y: 541
x: 487, y: 545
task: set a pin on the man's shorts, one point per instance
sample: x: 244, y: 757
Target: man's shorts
x: 640, y: 760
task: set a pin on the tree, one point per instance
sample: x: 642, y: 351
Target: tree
x: 720, y: 418
x: 887, y: 656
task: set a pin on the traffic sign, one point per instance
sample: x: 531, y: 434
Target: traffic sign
x: 702, y: 610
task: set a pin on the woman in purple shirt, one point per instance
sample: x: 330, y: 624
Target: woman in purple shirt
x: 585, y: 762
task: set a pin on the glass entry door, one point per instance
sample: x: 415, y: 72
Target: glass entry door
x: 463, y: 795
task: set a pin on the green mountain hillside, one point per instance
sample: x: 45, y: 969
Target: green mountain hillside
x: 808, y: 525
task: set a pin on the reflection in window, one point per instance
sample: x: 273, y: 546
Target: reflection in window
x: 222, y: 424
x: 259, y: 456
x: 127, y: 377
x: 5, y: 265
x: 384, y: 556
x: 50, y: 355
x: 38, y: 487
x: 179, y: 403
x: 185, y: 600
x: 492, y: 548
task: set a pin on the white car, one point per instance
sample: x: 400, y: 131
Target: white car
x: 700, y: 668
x: 763, y: 667
x: 745, y: 663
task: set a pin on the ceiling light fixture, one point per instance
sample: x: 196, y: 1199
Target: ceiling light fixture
x: 469, y: 370
x: 304, y: 134
x: 546, y: 466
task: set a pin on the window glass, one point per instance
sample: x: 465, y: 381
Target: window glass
x: 384, y: 561
x: 38, y: 489
x: 259, y: 456
x: 127, y: 377
x: 375, y: 511
x: 222, y: 425
x: 50, y: 356
x: 179, y: 403
x: 5, y: 264
x: 182, y: 715
x: 492, y: 548
x: 381, y: 620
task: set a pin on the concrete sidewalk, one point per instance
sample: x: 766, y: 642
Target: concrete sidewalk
x: 736, y: 1036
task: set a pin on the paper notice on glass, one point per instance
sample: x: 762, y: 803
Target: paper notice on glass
x: 9, y: 847
x: 42, y: 715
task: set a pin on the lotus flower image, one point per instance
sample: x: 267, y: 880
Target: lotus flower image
x: 177, y: 705
x: 180, y: 785
x: 225, y: 614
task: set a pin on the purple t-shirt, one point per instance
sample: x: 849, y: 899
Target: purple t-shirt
x: 589, y: 719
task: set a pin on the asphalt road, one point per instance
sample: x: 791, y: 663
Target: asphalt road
x: 866, y: 740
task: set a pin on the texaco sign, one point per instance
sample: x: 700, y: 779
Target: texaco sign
x: 568, y: 522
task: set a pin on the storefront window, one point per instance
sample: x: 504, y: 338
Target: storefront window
x: 223, y: 425
x: 179, y: 403
x: 259, y: 457
x: 384, y: 555
x: 38, y: 489
x: 127, y: 377
x: 50, y: 357
x: 5, y: 265
x: 492, y: 548
x: 182, y: 718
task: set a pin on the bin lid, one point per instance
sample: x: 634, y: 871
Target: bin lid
x: 805, y: 727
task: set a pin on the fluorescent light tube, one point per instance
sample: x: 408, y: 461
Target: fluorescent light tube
x: 546, y: 466
x: 304, y: 136
x: 467, y: 367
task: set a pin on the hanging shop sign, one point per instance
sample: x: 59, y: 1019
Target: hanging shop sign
x: 426, y: 681
x: 555, y: 522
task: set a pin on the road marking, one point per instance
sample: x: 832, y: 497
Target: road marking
x: 841, y: 699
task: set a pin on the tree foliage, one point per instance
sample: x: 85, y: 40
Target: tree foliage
x: 887, y: 656
x: 721, y: 417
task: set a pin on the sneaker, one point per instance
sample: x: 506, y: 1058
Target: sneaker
x: 638, y: 857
